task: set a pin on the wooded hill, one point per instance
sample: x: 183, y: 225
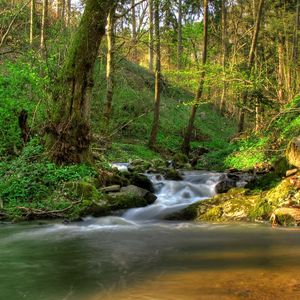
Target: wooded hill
x: 84, y: 84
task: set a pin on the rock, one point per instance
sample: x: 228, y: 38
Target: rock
x: 139, y: 192
x: 281, y: 165
x: 141, y: 181
x: 232, y: 206
x: 291, y: 172
x: 293, y: 152
x: 225, y: 185
x: 111, y: 189
x: 139, y: 166
x: 233, y: 176
x: 83, y: 190
x: 179, y: 160
x: 286, y: 216
x: 173, y: 174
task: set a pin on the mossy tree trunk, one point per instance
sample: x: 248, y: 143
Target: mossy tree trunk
x: 69, y: 130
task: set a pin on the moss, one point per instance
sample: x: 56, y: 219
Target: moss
x: 180, y: 159
x: 262, y: 210
x: 281, y: 165
x: 83, y: 190
x: 213, y: 214
x: 285, y: 219
x: 173, y: 174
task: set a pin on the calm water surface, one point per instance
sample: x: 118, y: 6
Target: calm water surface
x: 148, y: 261
x: 139, y: 256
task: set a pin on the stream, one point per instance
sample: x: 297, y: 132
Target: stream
x: 138, y: 255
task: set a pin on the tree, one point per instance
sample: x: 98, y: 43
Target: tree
x: 250, y: 64
x: 110, y: 66
x: 224, y: 52
x: 32, y: 20
x: 151, y: 47
x: 155, y: 124
x: 179, y: 43
x: 190, y: 127
x: 69, y: 134
x: 44, y: 23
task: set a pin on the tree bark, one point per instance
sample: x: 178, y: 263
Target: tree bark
x: 110, y: 67
x: 188, y: 134
x: 296, y: 47
x: 32, y: 19
x: 151, y: 45
x: 69, y: 130
x: 134, y: 33
x: 224, y: 53
x: 179, y: 43
x: 44, y: 23
x: 155, y: 124
x: 68, y: 13
x: 251, y: 61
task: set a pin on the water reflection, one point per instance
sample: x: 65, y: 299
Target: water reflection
x: 149, y: 261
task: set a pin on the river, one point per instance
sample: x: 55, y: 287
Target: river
x: 137, y: 255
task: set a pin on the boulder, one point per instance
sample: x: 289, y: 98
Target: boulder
x: 293, y: 152
x: 286, y: 216
x: 291, y: 172
x: 139, y: 193
x: 141, y: 181
x: 179, y: 160
x: 281, y: 165
x: 173, y: 174
x: 111, y: 189
x: 225, y: 185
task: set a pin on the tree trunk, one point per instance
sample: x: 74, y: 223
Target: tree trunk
x: 179, y: 45
x: 32, y: 19
x: 296, y: 47
x: 44, y: 23
x: 134, y: 36
x: 224, y: 53
x: 251, y: 61
x: 151, y: 48
x: 110, y: 64
x: 68, y: 13
x: 190, y: 127
x: 155, y: 124
x: 281, y: 73
x: 69, y: 130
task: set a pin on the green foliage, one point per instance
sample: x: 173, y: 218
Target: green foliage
x: 271, y: 144
x: 31, y: 178
x: 121, y: 152
x: 21, y: 87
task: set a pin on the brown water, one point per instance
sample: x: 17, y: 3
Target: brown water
x: 111, y: 258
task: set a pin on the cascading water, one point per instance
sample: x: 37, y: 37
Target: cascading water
x: 173, y: 195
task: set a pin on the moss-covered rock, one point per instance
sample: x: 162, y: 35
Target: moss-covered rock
x: 286, y: 216
x: 240, y: 204
x: 82, y: 190
x: 281, y: 165
x: 293, y: 152
x: 179, y: 160
x: 140, y: 180
x: 173, y: 174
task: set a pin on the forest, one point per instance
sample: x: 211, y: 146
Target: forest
x: 147, y: 145
x: 207, y: 85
